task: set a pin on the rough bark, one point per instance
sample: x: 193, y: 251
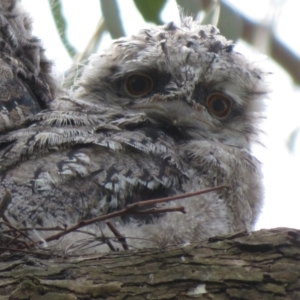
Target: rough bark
x: 260, y: 265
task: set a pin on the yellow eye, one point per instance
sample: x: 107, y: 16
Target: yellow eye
x: 138, y: 85
x: 219, y: 105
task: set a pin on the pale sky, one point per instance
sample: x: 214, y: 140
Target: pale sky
x: 281, y: 168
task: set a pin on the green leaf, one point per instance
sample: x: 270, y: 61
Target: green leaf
x: 212, y: 14
x: 61, y: 25
x: 230, y: 23
x: 113, y: 22
x: 150, y: 9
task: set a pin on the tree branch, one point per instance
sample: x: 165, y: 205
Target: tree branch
x: 261, y: 265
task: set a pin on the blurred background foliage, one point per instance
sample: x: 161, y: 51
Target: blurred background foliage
x: 232, y: 23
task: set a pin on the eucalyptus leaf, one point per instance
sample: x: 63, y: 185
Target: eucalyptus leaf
x: 230, y: 23
x: 150, y: 9
x: 212, y: 14
x: 111, y: 14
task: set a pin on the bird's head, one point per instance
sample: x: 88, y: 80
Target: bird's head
x: 186, y: 77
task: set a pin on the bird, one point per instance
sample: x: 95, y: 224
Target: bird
x: 27, y: 85
x: 168, y: 111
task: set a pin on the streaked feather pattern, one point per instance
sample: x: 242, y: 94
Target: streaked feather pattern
x: 102, y: 147
x: 27, y: 85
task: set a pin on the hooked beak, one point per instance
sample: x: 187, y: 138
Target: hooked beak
x: 177, y: 113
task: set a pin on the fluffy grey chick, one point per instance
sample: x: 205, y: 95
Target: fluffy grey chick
x: 171, y: 110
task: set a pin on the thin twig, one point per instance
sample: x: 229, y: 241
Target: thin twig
x: 117, y: 234
x: 6, y: 199
x: 108, y: 242
x: 177, y: 197
x: 25, y: 251
x: 129, y: 209
x: 18, y: 231
x: 160, y: 210
x: 17, y: 239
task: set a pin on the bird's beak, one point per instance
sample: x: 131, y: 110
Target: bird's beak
x: 175, y: 113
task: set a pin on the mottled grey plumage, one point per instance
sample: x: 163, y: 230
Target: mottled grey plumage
x: 173, y: 109
x: 26, y: 83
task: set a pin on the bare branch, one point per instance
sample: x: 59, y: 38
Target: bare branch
x: 118, y: 234
x: 4, y: 203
